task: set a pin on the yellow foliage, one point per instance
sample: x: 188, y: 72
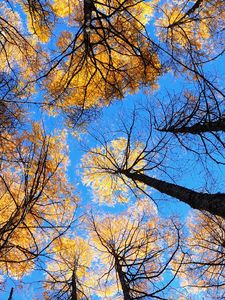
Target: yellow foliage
x: 72, y: 258
x: 126, y: 239
x: 71, y: 254
x: 39, y: 18
x: 16, y: 48
x: 112, y: 66
x: 204, y: 263
x: 34, y: 193
x: 72, y: 9
x: 121, y: 232
x: 180, y: 25
x: 101, y: 170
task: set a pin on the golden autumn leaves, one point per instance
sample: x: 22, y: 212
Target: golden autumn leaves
x: 135, y: 241
x: 36, y: 201
x: 92, y: 65
x: 104, y: 54
x: 107, y: 60
x: 100, y: 170
x: 186, y: 25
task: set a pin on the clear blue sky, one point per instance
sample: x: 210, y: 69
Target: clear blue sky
x: 192, y: 175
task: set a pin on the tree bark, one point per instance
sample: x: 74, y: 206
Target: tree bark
x: 88, y: 9
x: 74, y: 287
x: 11, y: 294
x: 213, y: 203
x: 124, y: 285
x: 215, y: 126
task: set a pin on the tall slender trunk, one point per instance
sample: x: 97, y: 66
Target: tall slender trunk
x: 88, y: 9
x: 213, y: 203
x: 214, y: 126
x: 74, y: 287
x: 11, y: 294
x: 124, y: 285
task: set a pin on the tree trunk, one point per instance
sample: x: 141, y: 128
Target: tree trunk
x: 74, y: 287
x: 215, y: 126
x: 88, y: 9
x: 124, y: 285
x: 213, y: 203
x: 11, y: 294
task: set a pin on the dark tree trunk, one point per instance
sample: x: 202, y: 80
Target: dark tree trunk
x: 215, y: 126
x: 189, y: 12
x: 124, y: 285
x: 11, y: 294
x: 74, y: 287
x: 213, y: 203
x: 88, y: 9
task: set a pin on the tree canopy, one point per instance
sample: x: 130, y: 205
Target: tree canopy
x: 112, y: 149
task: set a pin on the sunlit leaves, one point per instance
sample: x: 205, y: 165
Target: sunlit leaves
x: 203, y: 268
x: 107, y: 58
x: 36, y: 201
x: 131, y: 247
x: 191, y: 25
x: 16, y: 49
x: 101, y: 167
x: 73, y: 10
x: 39, y: 18
x: 67, y: 272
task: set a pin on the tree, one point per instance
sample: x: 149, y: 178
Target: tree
x: 126, y: 257
x: 105, y: 50
x: 203, y: 266
x: 190, y: 27
x: 101, y: 52
x: 192, y: 31
x: 36, y: 202
x: 123, y: 164
x: 102, y: 61
x: 195, y: 117
x: 136, y: 250
x: 66, y: 274
x: 76, y: 57
x: 107, y: 56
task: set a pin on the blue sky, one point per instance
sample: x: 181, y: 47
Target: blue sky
x: 193, y: 178
x: 191, y: 175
